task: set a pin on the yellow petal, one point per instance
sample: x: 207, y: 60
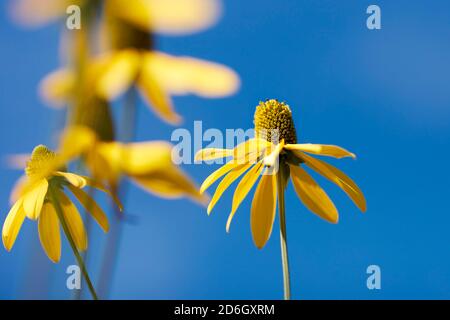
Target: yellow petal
x: 75, y: 141
x: 243, y: 188
x: 57, y: 88
x: 186, y: 75
x: 12, y: 225
x: 38, y: 12
x: 98, y: 185
x: 74, y: 221
x: 213, y: 177
x: 226, y: 182
x: 119, y: 74
x: 322, y: 149
x: 264, y: 210
x: 73, y: 179
x: 49, y: 234
x: 212, y: 153
x: 312, y: 195
x: 172, y: 183
x: 168, y: 16
x: 91, y: 207
x: 155, y: 94
x: 272, y: 159
x: 339, y: 178
x: 34, y: 199
x: 250, y: 150
x: 144, y: 157
x: 18, y: 189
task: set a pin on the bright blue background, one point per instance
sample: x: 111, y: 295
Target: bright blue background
x: 382, y: 94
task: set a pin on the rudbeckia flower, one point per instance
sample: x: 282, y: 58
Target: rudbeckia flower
x: 149, y: 165
x: 272, y: 158
x: 128, y: 58
x: 162, y: 16
x: 42, y: 194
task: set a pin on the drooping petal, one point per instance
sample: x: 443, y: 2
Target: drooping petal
x: 226, y: 182
x: 38, y: 12
x: 339, y: 178
x: 73, y: 221
x: 74, y: 179
x: 98, y: 185
x: 186, y: 75
x: 145, y: 157
x: 250, y: 150
x: 264, y: 210
x: 119, y: 74
x: 212, y: 154
x: 34, y: 199
x: 312, y: 195
x: 57, y: 88
x: 75, y: 141
x: 12, y: 225
x: 91, y: 207
x: 322, y: 149
x: 151, y: 89
x: 171, y: 183
x: 49, y: 233
x: 243, y: 188
x: 213, y: 177
x: 168, y: 16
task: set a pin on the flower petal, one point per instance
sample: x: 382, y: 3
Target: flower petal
x: 119, y: 74
x: 186, y: 75
x: 312, y: 195
x: 12, y: 225
x: 264, y: 210
x: 339, y: 178
x: 243, y: 188
x: 213, y: 177
x: 171, y: 183
x: 57, y: 87
x: 73, y: 179
x: 49, y: 234
x: 168, y: 16
x: 155, y: 94
x: 226, y: 182
x: 98, y: 185
x: 212, y: 154
x: 145, y: 157
x: 75, y: 141
x: 322, y: 149
x: 74, y: 221
x: 34, y: 199
x: 91, y: 207
x: 38, y: 12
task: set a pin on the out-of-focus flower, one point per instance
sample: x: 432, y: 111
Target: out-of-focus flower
x: 156, y: 75
x: 46, y: 176
x: 147, y: 164
x: 260, y: 155
x: 161, y: 16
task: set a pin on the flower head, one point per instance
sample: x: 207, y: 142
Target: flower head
x: 46, y: 175
x: 147, y: 164
x: 273, y: 157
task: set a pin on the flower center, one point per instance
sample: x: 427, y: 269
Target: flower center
x: 39, y: 159
x: 273, y: 122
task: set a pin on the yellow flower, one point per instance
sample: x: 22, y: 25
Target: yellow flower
x: 34, y: 197
x: 147, y: 164
x: 273, y: 164
x: 128, y: 57
x: 163, y: 16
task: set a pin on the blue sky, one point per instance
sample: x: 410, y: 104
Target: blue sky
x: 382, y: 94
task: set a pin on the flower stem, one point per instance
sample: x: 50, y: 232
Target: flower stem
x: 283, y: 236
x: 65, y: 227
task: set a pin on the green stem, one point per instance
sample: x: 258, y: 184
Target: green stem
x: 283, y: 236
x: 63, y: 222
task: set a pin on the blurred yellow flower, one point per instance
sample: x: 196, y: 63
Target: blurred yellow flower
x: 162, y: 16
x: 156, y: 75
x: 147, y: 164
x: 274, y: 163
x: 40, y: 193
